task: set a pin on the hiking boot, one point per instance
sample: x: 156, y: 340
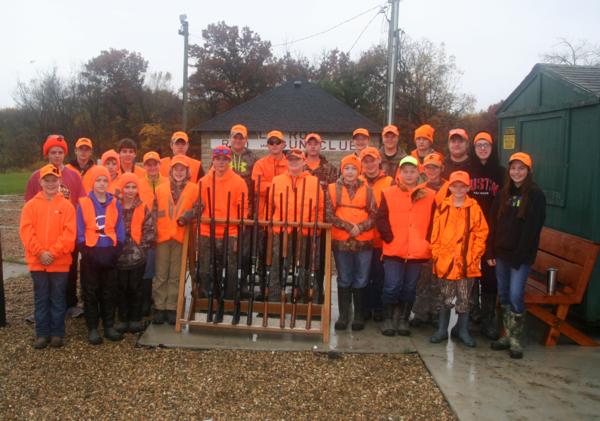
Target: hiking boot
x: 135, y: 327
x: 358, y: 298
x: 516, y: 335
x: 344, y: 297
x: 388, y: 324
x: 41, y: 342
x: 503, y: 342
x: 171, y: 317
x: 442, y: 333
x: 401, y: 315
x: 463, y: 330
x: 111, y: 334
x: 94, y: 337
x: 122, y: 327
x: 489, y: 324
x: 160, y: 316
x: 56, y: 341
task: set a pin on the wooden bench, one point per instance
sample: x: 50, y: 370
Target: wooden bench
x: 574, y: 257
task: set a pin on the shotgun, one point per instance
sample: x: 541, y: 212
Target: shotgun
x: 254, y: 260
x: 197, y: 279
x: 210, y: 193
x: 297, y: 257
x: 240, y: 263
x: 283, y: 237
x: 268, y: 258
x: 223, y: 284
x: 312, y: 278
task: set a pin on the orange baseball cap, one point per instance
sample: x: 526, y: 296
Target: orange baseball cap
x: 276, y: 134
x: 313, y: 136
x: 425, y: 131
x: 84, y: 141
x: 180, y: 135
x: 483, y: 136
x: 180, y: 159
x: 239, y: 129
x: 297, y: 153
x: 351, y: 160
x: 148, y: 156
x: 460, y: 177
x: 433, y: 159
x: 361, y: 131
x: 390, y: 128
x: 523, y: 157
x: 458, y: 132
x: 369, y: 151
x: 49, y: 170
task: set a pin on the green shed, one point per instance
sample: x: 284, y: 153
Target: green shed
x: 554, y: 115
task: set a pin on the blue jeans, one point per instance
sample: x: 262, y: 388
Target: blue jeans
x: 375, y: 286
x: 352, y: 268
x: 150, y: 263
x: 511, y: 284
x: 49, y: 290
x: 400, y: 281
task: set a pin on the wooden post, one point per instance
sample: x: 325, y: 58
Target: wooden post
x: 182, y: 272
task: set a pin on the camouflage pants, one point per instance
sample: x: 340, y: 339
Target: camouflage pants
x: 231, y: 266
x: 461, y: 290
x: 428, y: 299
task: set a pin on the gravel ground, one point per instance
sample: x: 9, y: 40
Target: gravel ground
x: 122, y: 381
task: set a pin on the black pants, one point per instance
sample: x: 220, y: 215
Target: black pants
x: 130, y: 293
x: 489, y: 283
x: 99, y: 293
x: 71, y: 290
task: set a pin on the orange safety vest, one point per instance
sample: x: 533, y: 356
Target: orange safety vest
x: 137, y: 222
x: 195, y: 165
x: 409, y: 221
x: 92, y: 231
x: 352, y: 210
x: 169, y: 212
x: 378, y: 186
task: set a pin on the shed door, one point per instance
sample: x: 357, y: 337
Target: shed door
x: 544, y: 138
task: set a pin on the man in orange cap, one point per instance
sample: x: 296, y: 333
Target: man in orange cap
x: 360, y: 139
x: 180, y: 143
x: 243, y: 159
x: 316, y: 163
x: 458, y: 148
x: 391, y: 152
x: 55, y: 149
x: 83, y: 161
x: 423, y: 143
x: 275, y: 163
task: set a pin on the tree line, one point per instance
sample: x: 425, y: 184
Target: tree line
x: 114, y: 96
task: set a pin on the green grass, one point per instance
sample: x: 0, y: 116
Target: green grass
x: 13, y: 182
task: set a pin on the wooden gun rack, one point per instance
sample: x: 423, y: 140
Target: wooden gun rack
x: 196, y: 315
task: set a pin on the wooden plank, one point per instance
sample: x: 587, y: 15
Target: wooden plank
x: 563, y: 326
x: 536, y: 293
x: 182, y: 272
x: 254, y: 328
x: 569, y: 247
x: 568, y: 273
x: 273, y: 306
x: 553, y: 332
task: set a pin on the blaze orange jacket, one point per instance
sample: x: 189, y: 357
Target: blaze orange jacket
x: 86, y: 179
x: 458, y: 240
x: 353, y: 210
x: 284, y: 182
x: 148, y: 188
x: 168, y: 212
x: 229, y: 182
x: 403, y: 219
x: 195, y: 168
x: 267, y: 167
x: 48, y: 225
x: 378, y: 185
x: 137, y: 170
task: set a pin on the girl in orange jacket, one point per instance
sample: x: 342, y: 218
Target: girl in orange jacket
x: 403, y: 220
x: 48, y: 230
x: 457, y: 244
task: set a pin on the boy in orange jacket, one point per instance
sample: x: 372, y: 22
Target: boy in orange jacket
x: 47, y: 230
x: 457, y: 245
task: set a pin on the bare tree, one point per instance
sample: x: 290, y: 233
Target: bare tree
x: 579, y: 53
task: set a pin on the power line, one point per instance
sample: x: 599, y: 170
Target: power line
x: 382, y: 10
x: 284, y: 44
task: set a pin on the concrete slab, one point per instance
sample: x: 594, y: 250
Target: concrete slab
x: 12, y: 270
x: 557, y: 383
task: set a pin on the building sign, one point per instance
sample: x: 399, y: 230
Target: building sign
x: 509, y: 138
x: 293, y: 140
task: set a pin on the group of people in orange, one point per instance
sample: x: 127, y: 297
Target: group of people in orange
x: 417, y: 233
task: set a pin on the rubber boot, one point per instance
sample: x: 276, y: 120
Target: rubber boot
x: 442, y: 332
x: 94, y: 337
x: 463, y: 330
x: 358, y: 300
x: 402, y: 327
x: 516, y: 335
x: 122, y: 327
x: 503, y: 342
x: 344, y: 297
x: 111, y: 334
x: 388, y: 324
x: 489, y: 324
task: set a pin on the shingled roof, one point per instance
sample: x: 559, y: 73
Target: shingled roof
x: 292, y: 107
x: 584, y: 77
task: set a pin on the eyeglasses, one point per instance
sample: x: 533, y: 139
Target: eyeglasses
x: 483, y: 145
x: 274, y: 141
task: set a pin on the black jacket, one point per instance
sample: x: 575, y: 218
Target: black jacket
x: 514, y: 239
x: 486, y: 183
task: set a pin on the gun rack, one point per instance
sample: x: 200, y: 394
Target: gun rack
x: 196, y: 314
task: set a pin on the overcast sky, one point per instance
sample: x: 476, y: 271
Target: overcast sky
x: 495, y: 42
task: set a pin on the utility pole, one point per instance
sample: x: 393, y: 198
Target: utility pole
x: 393, y: 42
x: 184, y: 31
